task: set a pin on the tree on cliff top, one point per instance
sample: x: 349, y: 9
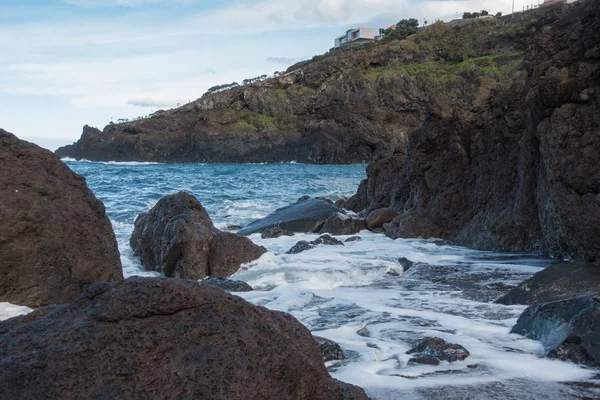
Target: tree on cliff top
x: 404, y: 29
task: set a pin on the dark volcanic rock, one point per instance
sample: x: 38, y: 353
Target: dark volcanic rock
x: 55, y: 238
x: 275, y: 232
x: 405, y: 263
x: 303, y: 245
x: 558, y: 281
x: 568, y: 329
x: 327, y: 240
x: 353, y: 239
x: 162, y: 339
x: 226, y: 284
x: 305, y: 216
x: 438, y: 348
x: 177, y: 237
x: 342, y: 224
x: 377, y: 218
x: 330, y: 349
x: 424, y: 359
x: 520, y: 170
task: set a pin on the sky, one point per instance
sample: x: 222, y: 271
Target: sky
x: 67, y: 63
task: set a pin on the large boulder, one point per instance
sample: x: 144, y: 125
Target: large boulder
x: 558, y: 281
x: 304, y: 216
x: 568, y: 329
x: 177, y: 237
x: 55, y: 237
x: 162, y: 339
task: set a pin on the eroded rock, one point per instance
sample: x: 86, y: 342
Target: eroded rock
x: 177, y: 237
x: 331, y: 350
x: 342, y: 224
x: 55, y: 237
x: 440, y: 349
x: 377, y: 218
x: 305, y: 216
x: 162, y: 339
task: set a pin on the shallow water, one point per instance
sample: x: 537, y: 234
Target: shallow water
x: 346, y: 294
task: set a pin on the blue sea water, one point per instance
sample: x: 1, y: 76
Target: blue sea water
x: 347, y: 294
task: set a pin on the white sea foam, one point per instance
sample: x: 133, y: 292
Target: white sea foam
x: 132, y: 163
x: 8, y: 310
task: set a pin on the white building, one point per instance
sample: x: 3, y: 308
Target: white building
x: 354, y: 34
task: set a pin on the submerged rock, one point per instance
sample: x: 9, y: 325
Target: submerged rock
x: 353, y: 239
x: 330, y: 349
x: 303, y: 245
x: 440, y: 349
x: 377, y: 218
x: 226, y: 284
x: 305, y: 216
x: 405, y: 263
x: 55, y: 237
x: 558, y: 281
x: 342, y: 224
x: 177, y: 237
x: 162, y: 339
x: 424, y: 359
x: 275, y: 232
x: 568, y: 329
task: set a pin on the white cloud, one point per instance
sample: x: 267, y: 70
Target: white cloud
x: 152, y: 101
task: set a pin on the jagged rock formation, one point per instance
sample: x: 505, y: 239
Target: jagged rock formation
x: 55, y: 237
x: 177, y: 238
x: 521, y: 171
x: 344, y: 107
x: 162, y: 339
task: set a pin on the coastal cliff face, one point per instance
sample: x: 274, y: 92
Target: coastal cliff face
x: 344, y: 107
x: 521, y: 172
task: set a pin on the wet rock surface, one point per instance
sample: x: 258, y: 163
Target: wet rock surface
x: 377, y: 218
x: 162, y: 338
x: 568, y: 329
x: 226, y: 284
x: 438, y: 348
x: 405, y: 263
x: 342, y: 224
x: 558, y: 281
x: 353, y: 239
x: 55, y: 237
x: 177, y: 238
x: 331, y: 350
x: 304, y: 216
x: 275, y: 232
x: 303, y: 245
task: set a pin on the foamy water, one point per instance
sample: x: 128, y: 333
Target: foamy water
x: 347, y: 294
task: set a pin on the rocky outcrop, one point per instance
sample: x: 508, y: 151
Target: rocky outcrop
x: 325, y: 240
x: 342, y: 224
x: 377, y: 218
x: 558, y: 281
x: 162, y: 339
x: 275, y: 232
x: 343, y: 107
x: 568, y: 329
x: 177, y: 238
x: 439, y: 349
x: 520, y: 169
x: 55, y: 237
x: 226, y: 284
x: 331, y: 350
x: 305, y: 216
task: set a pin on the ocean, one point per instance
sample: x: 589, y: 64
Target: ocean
x: 357, y: 294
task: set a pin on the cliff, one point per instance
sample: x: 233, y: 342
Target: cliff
x: 348, y: 106
x: 522, y: 170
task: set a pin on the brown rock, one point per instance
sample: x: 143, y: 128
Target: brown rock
x: 341, y: 224
x: 439, y: 348
x: 162, y: 339
x: 377, y: 218
x: 177, y: 238
x: 55, y: 238
x: 275, y: 232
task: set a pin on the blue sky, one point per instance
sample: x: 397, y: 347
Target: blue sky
x: 66, y: 63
